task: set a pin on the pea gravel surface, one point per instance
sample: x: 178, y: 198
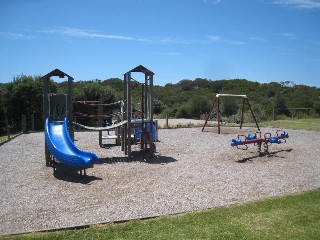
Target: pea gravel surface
x: 191, y: 170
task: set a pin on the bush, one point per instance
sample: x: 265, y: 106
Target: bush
x: 183, y: 112
x: 199, y: 105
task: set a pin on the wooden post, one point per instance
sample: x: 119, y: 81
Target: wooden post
x: 8, y: 128
x: 24, y: 123
x: 45, y: 99
x: 218, y: 114
x: 273, y: 115
x: 100, y: 112
x: 143, y: 129
x: 117, y: 133
x: 242, y: 110
x: 32, y: 122
x: 125, y: 115
x: 150, y: 105
x: 45, y: 115
x: 123, y: 138
x: 75, y: 120
x: 157, y: 127
x: 129, y: 113
x: 70, y: 108
x: 145, y: 99
x: 118, y: 129
x: 100, y: 138
x: 167, y: 121
x: 100, y: 123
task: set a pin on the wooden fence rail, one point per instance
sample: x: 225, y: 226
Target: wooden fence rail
x: 14, y: 128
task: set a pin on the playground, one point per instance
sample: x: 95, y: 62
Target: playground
x: 131, y: 169
x: 202, y: 171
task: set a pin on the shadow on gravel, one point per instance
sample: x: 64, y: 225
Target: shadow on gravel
x: 72, y: 175
x: 108, y: 145
x: 138, y: 157
x: 269, y: 154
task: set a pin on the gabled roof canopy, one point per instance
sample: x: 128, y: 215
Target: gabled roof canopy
x: 142, y: 69
x: 56, y: 73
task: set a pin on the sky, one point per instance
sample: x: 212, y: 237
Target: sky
x: 259, y: 40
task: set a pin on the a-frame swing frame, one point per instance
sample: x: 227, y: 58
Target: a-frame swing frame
x: 217, y: 101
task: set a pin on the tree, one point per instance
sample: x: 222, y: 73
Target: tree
x: 24, y: 96
x: 316, y: 107
x: 186, y: 85
x: 281, y: 105
x: 158, y: 106
x: 183, y: 112
x: 201, y: 83
x: 2, y: 109
x: 96, y: 92
x: 198, y: 105
x: 217, y: 86
x: 229, y: 107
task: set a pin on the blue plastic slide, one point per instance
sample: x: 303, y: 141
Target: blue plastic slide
x: 62, y: 147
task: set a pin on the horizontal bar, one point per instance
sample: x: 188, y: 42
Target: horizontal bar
x: 230, y: 95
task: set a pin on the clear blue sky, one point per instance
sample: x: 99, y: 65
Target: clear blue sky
x: 259, y: 40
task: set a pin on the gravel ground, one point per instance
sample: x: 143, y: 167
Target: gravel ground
x: 192, y: 170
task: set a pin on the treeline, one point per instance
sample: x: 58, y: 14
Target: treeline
x: 186, y: 99
x: 193, y: 99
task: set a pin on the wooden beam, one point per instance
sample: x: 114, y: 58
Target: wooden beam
x: 230, y: 95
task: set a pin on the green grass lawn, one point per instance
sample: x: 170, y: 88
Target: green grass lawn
x: 3, y: 138
x: 291, y: 217
x: 307, y: 124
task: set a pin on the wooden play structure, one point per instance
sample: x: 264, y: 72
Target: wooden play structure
x: 216, y: 102
x: 103, y: 119
x: 129, y: 128
x: 145, y: 121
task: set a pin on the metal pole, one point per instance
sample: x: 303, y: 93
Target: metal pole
x: 255, y: 120
x: 209, y: 113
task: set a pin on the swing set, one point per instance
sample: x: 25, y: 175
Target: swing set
x: 216, y: 102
